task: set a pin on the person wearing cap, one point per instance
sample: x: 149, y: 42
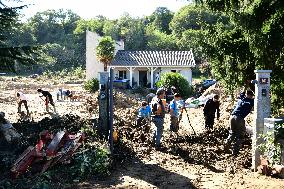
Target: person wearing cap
x: 22, y: 99
x: 211, y: 107
x: 237, y: 121
x: 158, y: 110
x: 48, y: 99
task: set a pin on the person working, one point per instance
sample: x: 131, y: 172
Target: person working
x: 22, y: 99
x: 158, y: 110
x: 209, y: 110
x: 62, y: 94
x: 143, y: 114
x: 174, y: 113
x: 48, y: 99
x: 237, y: 121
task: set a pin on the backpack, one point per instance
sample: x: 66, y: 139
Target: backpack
x: 153, y: 103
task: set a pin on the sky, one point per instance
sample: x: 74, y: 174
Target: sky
x: 112, y: 9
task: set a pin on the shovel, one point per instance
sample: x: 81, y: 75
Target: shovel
x: 189, y: 121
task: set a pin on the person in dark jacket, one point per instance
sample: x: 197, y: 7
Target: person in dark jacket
x: 237, y: 121
x: 210, y: 108
x: 48, y: 99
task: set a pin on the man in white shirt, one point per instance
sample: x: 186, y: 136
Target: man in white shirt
x: 22, y: 99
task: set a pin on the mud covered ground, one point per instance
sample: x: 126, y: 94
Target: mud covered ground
x: 186, y: 160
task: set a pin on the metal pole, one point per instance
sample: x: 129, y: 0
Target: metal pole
x: 111, y: 110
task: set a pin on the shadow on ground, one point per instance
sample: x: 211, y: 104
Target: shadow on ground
x: 153, y: 175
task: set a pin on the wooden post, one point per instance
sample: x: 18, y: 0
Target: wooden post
x: 103, y: 129
x: 131, y: 73
x: 262, y: 109
x: 111, y: 110
x: 152, y: 77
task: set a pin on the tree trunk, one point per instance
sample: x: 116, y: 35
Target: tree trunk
x: 105, y: 66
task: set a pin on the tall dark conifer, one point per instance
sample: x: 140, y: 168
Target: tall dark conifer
x: 9, y: 55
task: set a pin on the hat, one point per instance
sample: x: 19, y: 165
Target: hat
x: 2, y: 114
x: 160, y: 91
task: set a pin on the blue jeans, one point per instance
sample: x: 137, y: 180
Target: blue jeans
x: 159, y: 123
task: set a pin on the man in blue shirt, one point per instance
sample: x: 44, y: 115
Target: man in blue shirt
x: 174, y: 112
x: 237, y: 121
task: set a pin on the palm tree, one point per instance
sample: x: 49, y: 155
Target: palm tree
x: 105, y: 51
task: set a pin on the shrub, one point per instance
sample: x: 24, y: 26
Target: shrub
x: 91, y: 85
x: 176, y: 80
x: 139, y: 90
x: 79, y: 72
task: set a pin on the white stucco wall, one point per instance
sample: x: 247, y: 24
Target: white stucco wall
x: 186, y: 72
x: 93, y: 66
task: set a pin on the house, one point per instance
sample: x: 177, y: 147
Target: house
x: 142, y: 67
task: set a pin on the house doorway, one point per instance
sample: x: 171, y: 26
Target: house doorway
x: 143, y: 78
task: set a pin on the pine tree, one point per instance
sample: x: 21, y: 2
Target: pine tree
x: 9, y: 55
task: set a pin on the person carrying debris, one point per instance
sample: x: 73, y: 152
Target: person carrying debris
x: 22, y: 99
x: 143, y: 114
x: 7, y: 131
x: 212, y: 105
x: 237, y: 121
x: 48, y: 99
x: 158, y: 111
x: 174, y: 113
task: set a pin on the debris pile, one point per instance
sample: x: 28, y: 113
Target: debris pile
x: 49, y: 151
x: 267, y: 169
x: 44, y: 152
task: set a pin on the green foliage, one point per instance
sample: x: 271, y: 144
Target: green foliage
x: 271, y: 145
x: 193, y: 17
x: 255, y: 42
x: 54, y: 26
x: 90, y: 161
x: 178, y: 81
x: 105, y: 50
x: 11, y: 53
x: 159, y: 41
x: 95, y: 25
x: 73, y: 75
x: 161, y: 19
x: 91, y: 85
